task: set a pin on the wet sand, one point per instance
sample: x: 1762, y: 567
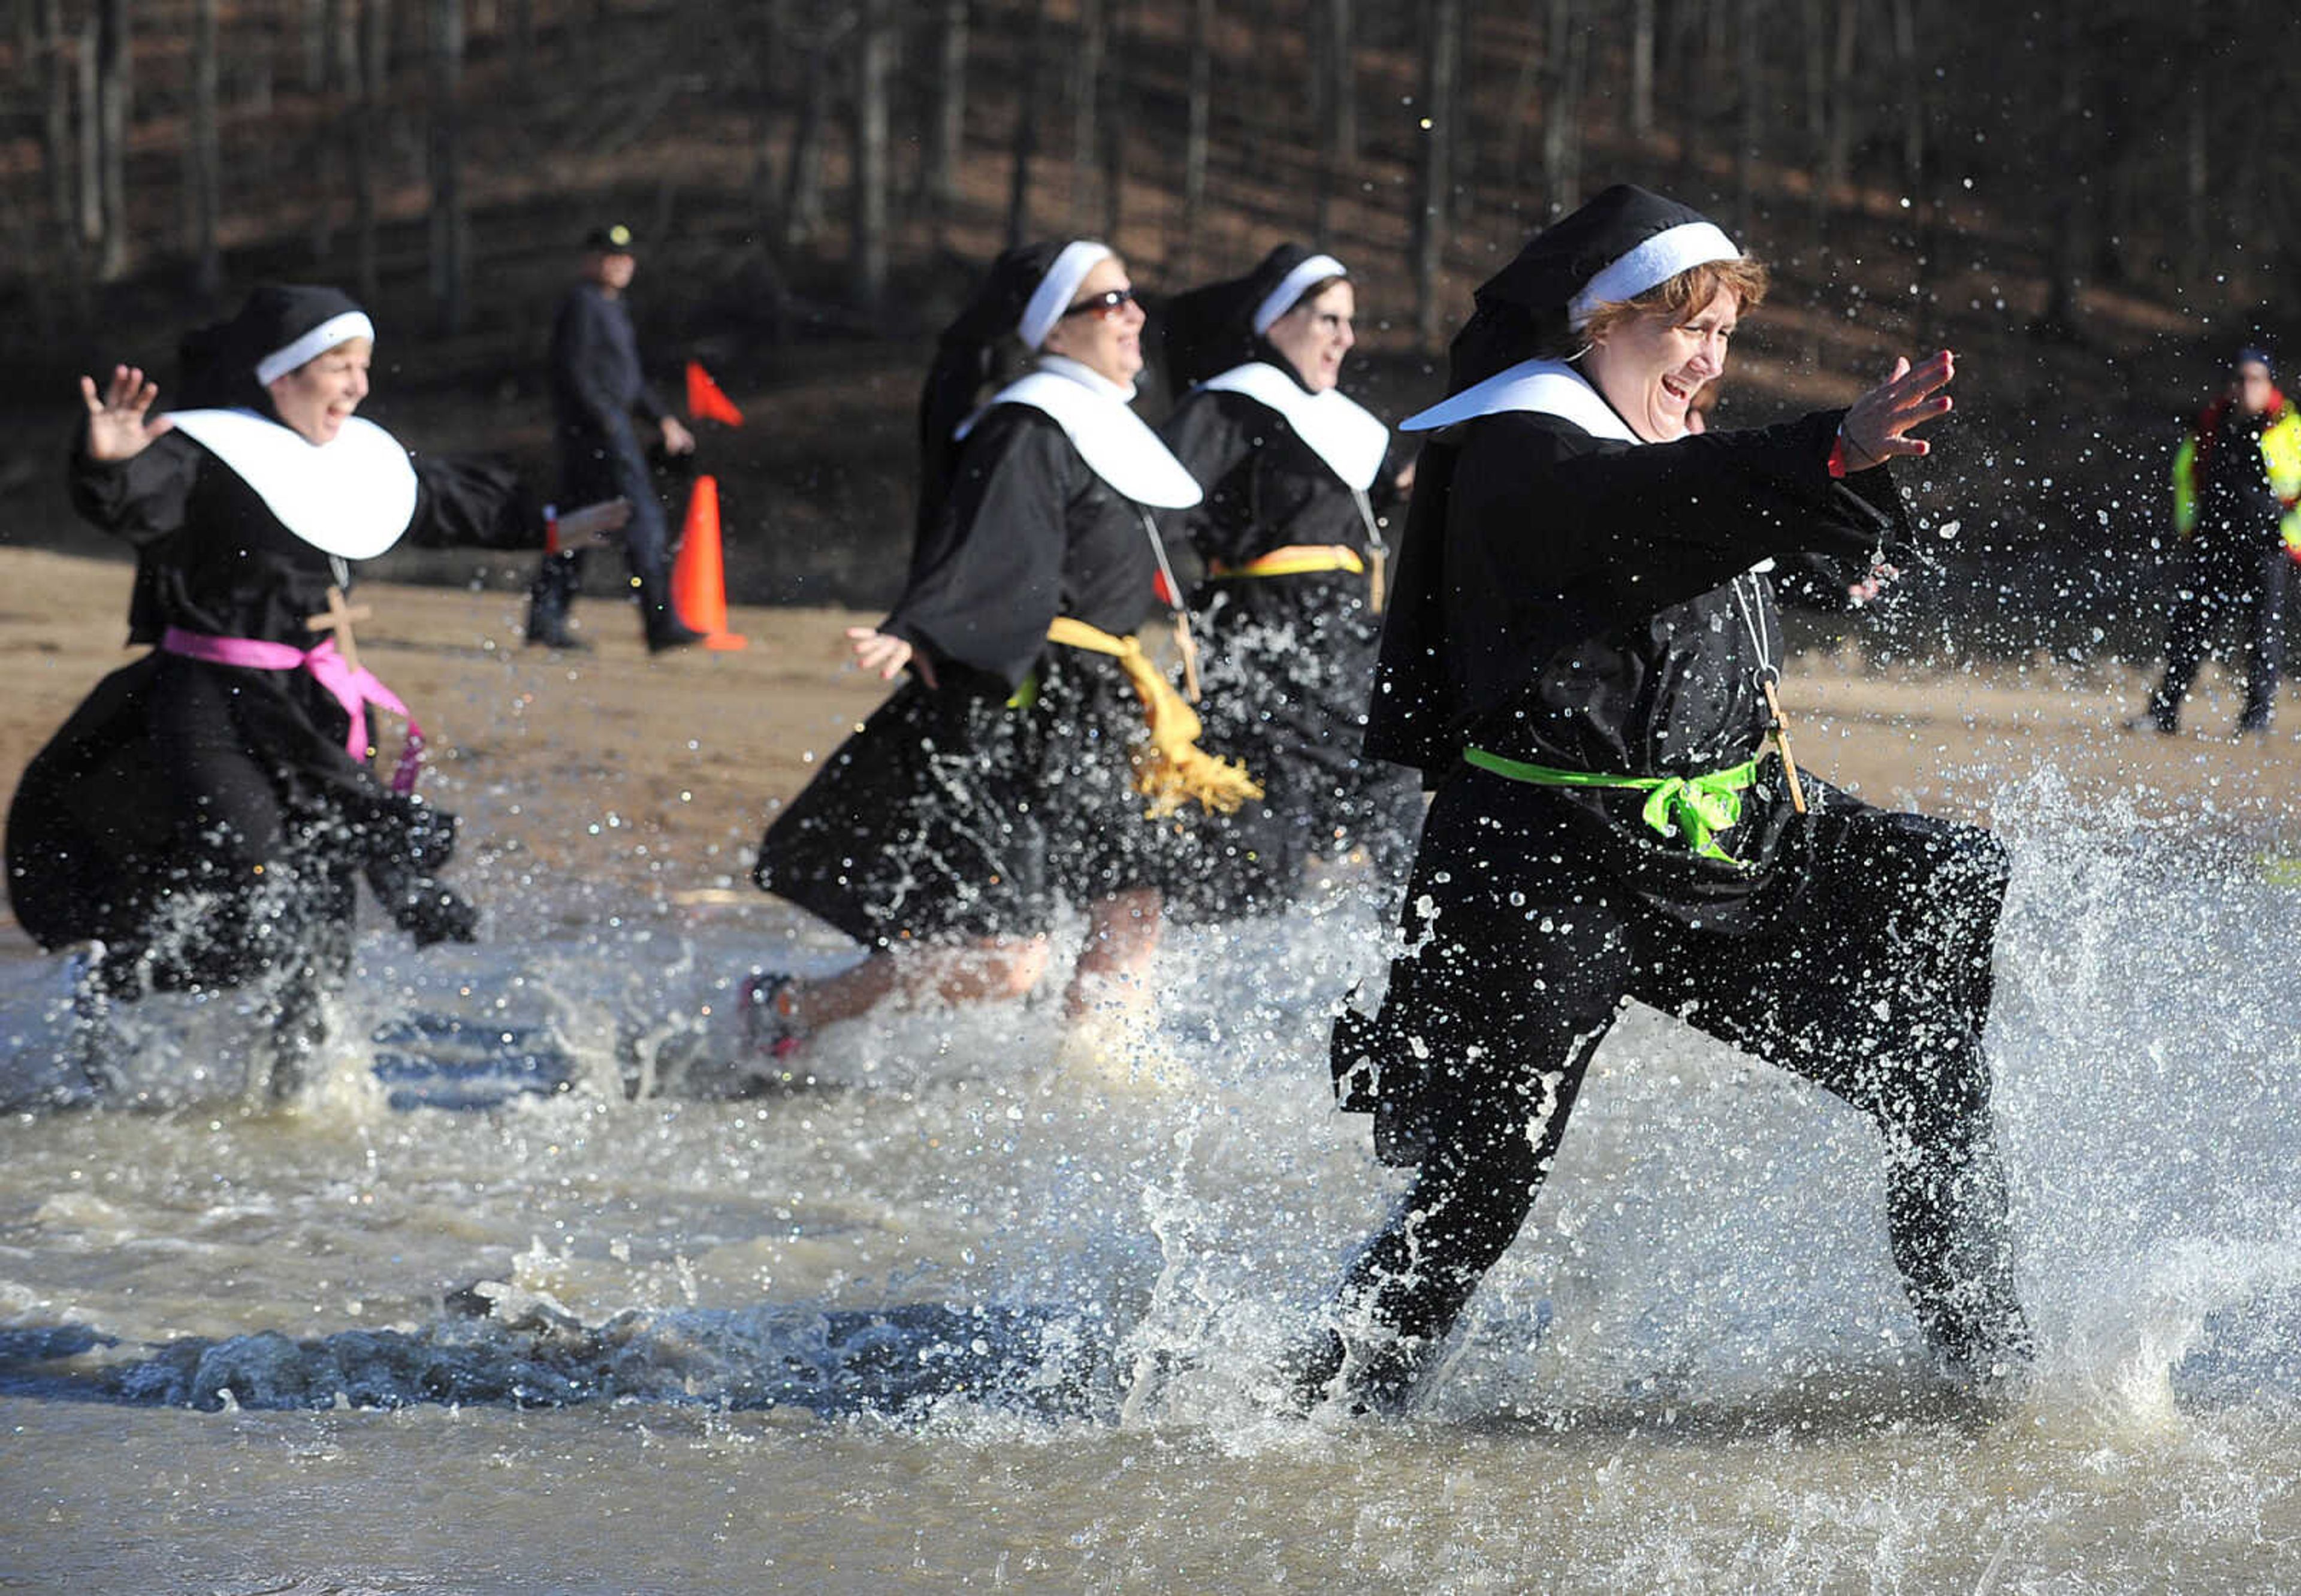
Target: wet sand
x: 650, y: 779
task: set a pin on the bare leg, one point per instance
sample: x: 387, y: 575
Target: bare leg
x: 1122, y: 941
x: 995, y: 968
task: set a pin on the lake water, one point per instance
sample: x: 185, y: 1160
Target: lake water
x: 972, y: 1317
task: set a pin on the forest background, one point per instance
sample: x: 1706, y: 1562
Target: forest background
x: 2093, y: 203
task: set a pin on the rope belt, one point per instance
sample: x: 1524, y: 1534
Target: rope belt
x: 1694, y: 808
x: 1296, y: 559
x: 1169, y: 766
x: 354, y: 690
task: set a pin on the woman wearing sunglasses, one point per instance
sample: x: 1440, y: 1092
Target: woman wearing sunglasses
x: 1020, y: 763
x: 1295, y: 474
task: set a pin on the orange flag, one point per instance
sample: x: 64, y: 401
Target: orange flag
x: 705, y: 401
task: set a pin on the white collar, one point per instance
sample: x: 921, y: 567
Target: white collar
x: 352, y: 497
x: 1546, y: 387
x: 1339, y: 430
x: 1112, y: 439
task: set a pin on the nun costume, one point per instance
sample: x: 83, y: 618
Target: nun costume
x: 1290, y: 611
x: 1580, y: 660
x: 203, y: 814
x: 1025, y: 759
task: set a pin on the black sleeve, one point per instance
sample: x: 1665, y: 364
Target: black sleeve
x: 988, y: 578
x: 140, y: 500
x: 1209, y: 435
x: 1623, y: 531
x: 472, y: 501
x: 581, y: 357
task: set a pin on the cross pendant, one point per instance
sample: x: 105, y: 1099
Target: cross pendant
x: 338, y: 619
x: 1780, y: 733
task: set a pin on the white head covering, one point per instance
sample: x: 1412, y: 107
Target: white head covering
x: 1292, y: 287
x: 1053, y: 294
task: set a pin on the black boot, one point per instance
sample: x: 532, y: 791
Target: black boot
x: 665, y: 629
x: 549, y: 601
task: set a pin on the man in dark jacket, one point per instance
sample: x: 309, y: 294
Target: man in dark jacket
x: 2235, y: 480
x: 597, y: 387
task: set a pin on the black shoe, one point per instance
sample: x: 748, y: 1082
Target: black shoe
x: 666, y: 633
x: 560, y: 638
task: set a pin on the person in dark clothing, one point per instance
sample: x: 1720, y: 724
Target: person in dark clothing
x: 1580, y: 657
x: 1013, y: 769
x: 2236, y: 480
x: 1295, y: 475
x: 596, y: 386
x: 204, y: 814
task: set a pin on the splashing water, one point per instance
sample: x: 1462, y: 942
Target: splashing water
x: 971, y: 1309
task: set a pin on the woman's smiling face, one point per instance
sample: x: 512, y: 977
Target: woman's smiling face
x: 1650, y: 366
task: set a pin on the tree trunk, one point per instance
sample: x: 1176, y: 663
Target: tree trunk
x: 1642, y: 68
x: 1564, y: 53
x: 803, y: 177
x: 946, y: 123
x: 1335, y: 109
x: 450, y: 228
x: 1027, y: 128
x: 874, y: 57
x: 1748, y: 124
x: 375, y: 51
x: 1200, y: 117
x: 1114, y: 122
x: 55, y: 123
x: 1442, y: 51
x: 1086, y: 105
x: 114, y: 86
x: 202, y: 160
x: 1839, y: 150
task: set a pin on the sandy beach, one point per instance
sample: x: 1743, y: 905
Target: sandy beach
x: 650, y: 779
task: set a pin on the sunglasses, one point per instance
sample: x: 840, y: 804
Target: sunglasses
x: 1107, y: 303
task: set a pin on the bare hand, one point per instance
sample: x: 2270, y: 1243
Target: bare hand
x: 598, y: 522
x: 887, y: 654
x: 1877, y: 426
x: 1403, y: 483
x: 117, y: 429
x: 677, y: 439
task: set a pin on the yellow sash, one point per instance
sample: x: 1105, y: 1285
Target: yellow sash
x: 1169, y: 766
x: 1296, y: 559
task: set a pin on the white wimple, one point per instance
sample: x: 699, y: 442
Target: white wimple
x: 352, y: 497
x: 1340, y: 431
x: 1092, y: 411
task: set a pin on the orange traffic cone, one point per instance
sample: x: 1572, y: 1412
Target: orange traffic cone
x: 699, y: 582
x: 706, y: 401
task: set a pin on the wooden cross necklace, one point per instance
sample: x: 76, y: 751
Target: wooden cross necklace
x: 339, y: 616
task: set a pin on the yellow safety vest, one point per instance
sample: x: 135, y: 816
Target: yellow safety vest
x: 2281, y: 453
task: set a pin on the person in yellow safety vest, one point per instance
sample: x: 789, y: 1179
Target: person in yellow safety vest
x: 2237, y: 479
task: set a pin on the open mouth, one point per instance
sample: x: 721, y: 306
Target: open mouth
x: 1676, y: 389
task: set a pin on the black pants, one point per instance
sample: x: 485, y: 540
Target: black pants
x: 1876, y: 989
x: 2218, y: 582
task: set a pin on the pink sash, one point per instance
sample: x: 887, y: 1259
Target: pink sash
x: 354, y: 689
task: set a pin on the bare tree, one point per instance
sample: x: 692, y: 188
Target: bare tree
x: 1333, y: 108
x: 202, y: 160
x: 115, y: 84
x: 55, y: 118
x: 1026, y: 128
x: 1200, y: 118
x: 1086, y: 105
x: 1566, y: 57
x: 947, y: 120
x: 374, y: 67
x: 451, y: 266
x: 1113, y: 133
x: 1441, y: 57
x: 874, y: 59
x: 1749, y: 128
x: 1642, y: 67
